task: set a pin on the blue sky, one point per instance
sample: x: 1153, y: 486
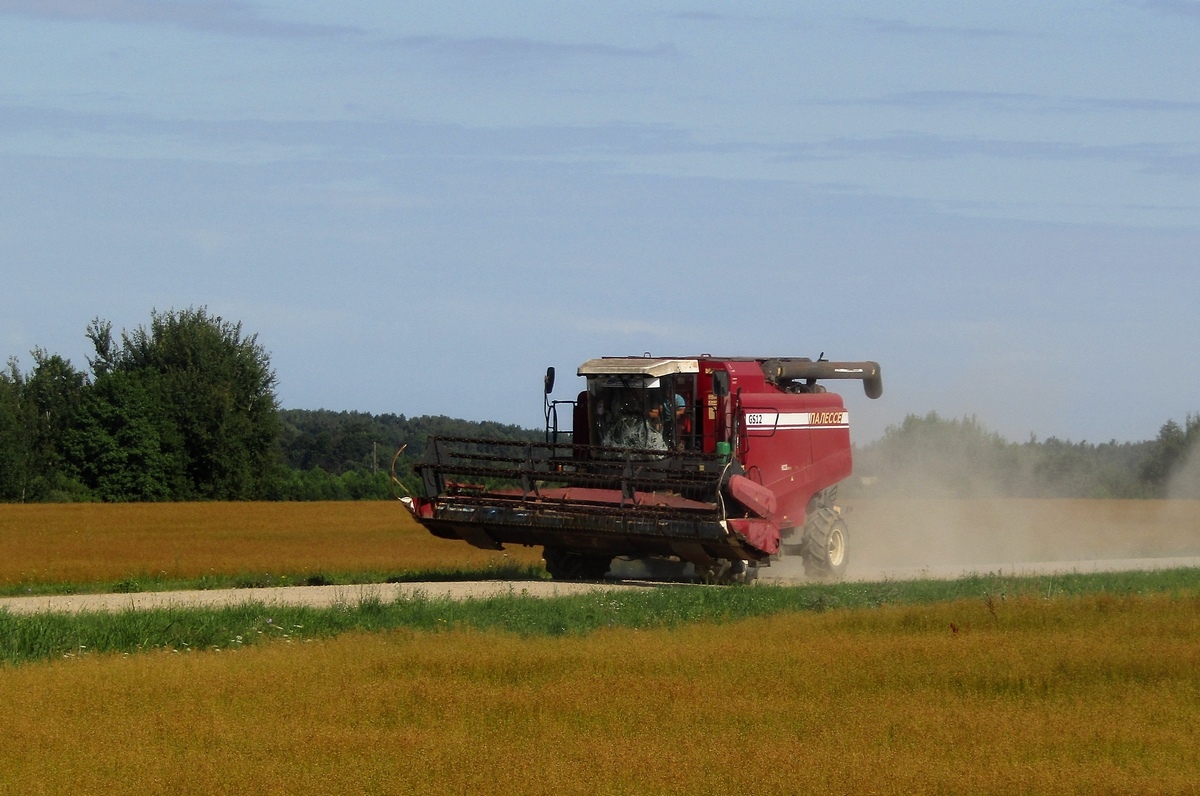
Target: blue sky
x: 418, y: 207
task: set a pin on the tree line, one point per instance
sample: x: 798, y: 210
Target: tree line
x: 185, y: 409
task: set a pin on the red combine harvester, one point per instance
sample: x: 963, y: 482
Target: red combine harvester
x: 724, y: 463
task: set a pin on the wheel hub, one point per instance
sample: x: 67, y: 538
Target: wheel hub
x: 836, y: 547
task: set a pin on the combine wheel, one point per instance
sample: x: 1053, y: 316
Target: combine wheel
x: 823, y: 499
x: 824, y: 546
x: 727, y: 572
x: 743, y: 572
x: 571, y: 565
x: 713, y: 574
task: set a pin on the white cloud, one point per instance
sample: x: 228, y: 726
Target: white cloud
x: 906, y: 28
x: 1180, y: 8
x: 514, y: 48
x: 222, y: 16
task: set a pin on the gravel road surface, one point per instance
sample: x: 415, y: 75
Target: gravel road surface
x: 316, y: 596
x: 321, y: 596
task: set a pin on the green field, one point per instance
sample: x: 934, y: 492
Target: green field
x: 26, y: 638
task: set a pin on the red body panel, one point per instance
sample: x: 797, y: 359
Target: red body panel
x: 794, y: 444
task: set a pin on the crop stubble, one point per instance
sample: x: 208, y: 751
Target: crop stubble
x: 82, y: 543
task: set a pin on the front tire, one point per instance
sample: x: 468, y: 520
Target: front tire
x: 572, y: 565
x: 725, y: 572
x: 825, y: 547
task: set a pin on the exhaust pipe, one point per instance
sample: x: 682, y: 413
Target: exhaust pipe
x: 781, y: 370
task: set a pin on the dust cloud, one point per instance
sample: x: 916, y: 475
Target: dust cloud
x: 998, y: 531
x: 1184, y: 482
x: 945, y: 507
x: 951, y: 537
x: 950, y: 504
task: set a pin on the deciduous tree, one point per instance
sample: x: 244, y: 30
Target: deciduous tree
x: 193, y: 388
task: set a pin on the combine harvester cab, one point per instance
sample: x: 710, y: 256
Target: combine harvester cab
x: 724, y: 463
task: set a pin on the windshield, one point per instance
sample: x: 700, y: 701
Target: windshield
x: 637, y: 412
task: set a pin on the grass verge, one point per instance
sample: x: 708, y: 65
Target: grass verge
x: 38, y: 637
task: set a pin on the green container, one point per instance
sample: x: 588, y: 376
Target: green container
x: 723, y: 451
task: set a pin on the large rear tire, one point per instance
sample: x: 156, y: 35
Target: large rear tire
x: 572, y: 565
x: 824, y: 547
x: 825, y: 499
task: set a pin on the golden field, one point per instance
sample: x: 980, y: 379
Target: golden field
x: 96, y: 542
x: 1088, y: 695
x: 1098, y: 694
x: 47, y: 543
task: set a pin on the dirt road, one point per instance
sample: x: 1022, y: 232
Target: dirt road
x: 315, y: 596
x: 782, y: 573
x: 890, y: 539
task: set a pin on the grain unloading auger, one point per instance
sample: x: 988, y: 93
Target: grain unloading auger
x: 724, y: 463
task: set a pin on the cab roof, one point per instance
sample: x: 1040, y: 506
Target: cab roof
x: 638, y: 366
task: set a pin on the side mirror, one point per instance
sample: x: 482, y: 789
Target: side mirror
x: 549, y: 380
